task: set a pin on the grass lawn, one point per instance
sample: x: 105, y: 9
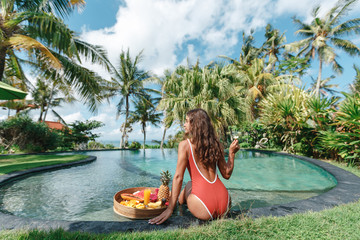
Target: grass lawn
x: 342, y: 222
x: 14, y: 163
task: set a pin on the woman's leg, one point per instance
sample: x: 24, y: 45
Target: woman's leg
x: 195, y: 206
x: 185, y: 193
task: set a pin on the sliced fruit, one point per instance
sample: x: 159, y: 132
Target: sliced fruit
x: 129, y: 196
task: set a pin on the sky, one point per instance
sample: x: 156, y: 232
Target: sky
x: 170, y: 32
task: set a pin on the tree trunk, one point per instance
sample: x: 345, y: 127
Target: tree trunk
x: 2, y: 61
x: 126, y: 117
x: 163, y: 138
x: 144, y: 136
x: 41, y: 112
x: 317, y: 89
x: 50, y: 99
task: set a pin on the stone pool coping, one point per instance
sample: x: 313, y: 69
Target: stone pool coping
x: 346, y: 191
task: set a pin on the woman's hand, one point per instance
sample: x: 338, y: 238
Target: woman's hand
x: 162, y: 217
x: 234, y: 147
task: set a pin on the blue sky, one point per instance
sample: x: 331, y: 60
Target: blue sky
x: 170, y: 31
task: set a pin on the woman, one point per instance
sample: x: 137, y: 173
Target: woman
x: 205, y: 195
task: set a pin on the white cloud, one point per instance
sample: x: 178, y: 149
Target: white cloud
x: 73, y: 117
x: 162, y: 28
x: 171, y: 31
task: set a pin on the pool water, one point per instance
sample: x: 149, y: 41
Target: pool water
x: 86, y: 192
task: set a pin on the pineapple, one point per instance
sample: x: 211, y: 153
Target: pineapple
x: 164, y: 191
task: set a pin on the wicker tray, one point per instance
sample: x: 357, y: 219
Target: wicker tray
x: 134, y: 213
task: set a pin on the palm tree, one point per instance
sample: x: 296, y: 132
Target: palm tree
x: 273, y: 45
x: 44, y: 95
x: 168, y: 119
x: 355, y: 87
x: 211, y: 88
x: 254, y: 85
x: 52, y: 48
x: 325, y: 87
x: 128, y: 83
x: 63, y: 8
x: 145, y: 112
x: 322, y: 32
x: 248, y: 52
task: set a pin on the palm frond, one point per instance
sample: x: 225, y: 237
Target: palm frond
x: 24, y: 42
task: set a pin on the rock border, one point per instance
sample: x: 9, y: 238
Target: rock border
x: 347, y: 190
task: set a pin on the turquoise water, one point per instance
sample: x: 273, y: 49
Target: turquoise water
x: 86, y: 192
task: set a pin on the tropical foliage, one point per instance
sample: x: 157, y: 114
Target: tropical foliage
x: 128, y: 84
x: 323, y: 33
x: 261, y: 94
x: 53, y: 50
x: 212, y: 88
x: 144, y: 113
x: 27, y: 135
x: 343, y: 141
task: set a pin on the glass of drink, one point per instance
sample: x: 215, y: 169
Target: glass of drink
x: 147, y: 193
x: 236, y: 135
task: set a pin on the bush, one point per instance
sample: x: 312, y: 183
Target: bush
x: 95, y: 145
x: 109, y: 146
x: 30, y: 136
x: 152, y: 146
x: 135, y: 145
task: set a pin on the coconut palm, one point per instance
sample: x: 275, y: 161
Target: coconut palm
x: 44, y: 94
x: 145, y: 112
x: 256, y: 84
x: 323, y: 33
x: 248, y: 53
x: 168, y: 119
x: 62, y: 8
x: 273, y: 45
x: 355, y: 87
x: 52, y: 48
x: 325, y: 87
x: 128, y: 83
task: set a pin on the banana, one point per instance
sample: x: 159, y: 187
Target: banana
x: 154, y: 205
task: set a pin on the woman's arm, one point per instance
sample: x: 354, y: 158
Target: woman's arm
x: 226, y: 168
x: 176, y: 184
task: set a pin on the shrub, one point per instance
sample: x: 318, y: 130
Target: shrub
x: 30, y: 136
x: 135, y: 145
x: 344, y: 141
x: 95, y: 145
x: 109, y: 146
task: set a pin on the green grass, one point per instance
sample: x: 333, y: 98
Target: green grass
x: 14, y: 163
x: 342, y: 222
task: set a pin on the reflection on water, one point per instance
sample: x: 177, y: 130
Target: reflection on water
x: 86, y: 192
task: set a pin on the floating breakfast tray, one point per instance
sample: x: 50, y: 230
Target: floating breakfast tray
x: 134, y: 213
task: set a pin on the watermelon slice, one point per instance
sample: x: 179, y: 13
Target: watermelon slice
x: 139, y: 194
x: 153, y: 196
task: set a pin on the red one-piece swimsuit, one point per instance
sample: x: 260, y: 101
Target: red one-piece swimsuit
x: 213, y: 195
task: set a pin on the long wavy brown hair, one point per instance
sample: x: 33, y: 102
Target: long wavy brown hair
x: 202, y: 133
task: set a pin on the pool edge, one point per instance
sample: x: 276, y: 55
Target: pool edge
x: 347, y: 190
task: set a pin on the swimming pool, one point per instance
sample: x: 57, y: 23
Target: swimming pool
x: 85, y: 192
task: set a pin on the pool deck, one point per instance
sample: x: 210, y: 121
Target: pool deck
x: 346, y: 191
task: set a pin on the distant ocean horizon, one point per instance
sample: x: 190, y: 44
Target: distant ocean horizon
x: 116, y: 143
